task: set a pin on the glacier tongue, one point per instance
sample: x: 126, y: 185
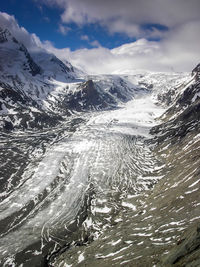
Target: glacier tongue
x: 103, y: 159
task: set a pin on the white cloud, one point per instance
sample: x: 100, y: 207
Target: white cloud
x: 170, y: 54
x: 127, y: 16
x: 84, y: 37
x: 178, y: 50
x: 64, y: 29
x: 94, y: 43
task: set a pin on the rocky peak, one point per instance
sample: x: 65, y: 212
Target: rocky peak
x: 5, y: 36
x: 88, y: 86
x: 196, y: 72
x: 64, y: 67
x: 4, y: 33
x: 9, y: 44
x: 89, y: 89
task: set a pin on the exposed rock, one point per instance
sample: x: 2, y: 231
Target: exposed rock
x: 89, y: 96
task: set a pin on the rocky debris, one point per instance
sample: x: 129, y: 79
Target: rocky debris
x: 186, y: 252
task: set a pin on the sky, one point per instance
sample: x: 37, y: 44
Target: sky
x: 110, y: 36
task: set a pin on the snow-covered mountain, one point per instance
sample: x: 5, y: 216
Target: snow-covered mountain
x: 26, y: 83
x: 37, y: 89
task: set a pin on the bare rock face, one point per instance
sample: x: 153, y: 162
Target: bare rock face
x: 89, y: 96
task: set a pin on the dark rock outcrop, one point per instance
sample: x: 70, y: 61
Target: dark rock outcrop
x: 88, y: 96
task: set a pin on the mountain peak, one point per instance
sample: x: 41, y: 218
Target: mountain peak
x: 196, y: 72
x: 16, y: 55
x: 6, y: 36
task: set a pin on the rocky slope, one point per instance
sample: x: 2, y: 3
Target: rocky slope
x: 163, y: 228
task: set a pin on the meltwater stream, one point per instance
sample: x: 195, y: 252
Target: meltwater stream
x: 52, y: 180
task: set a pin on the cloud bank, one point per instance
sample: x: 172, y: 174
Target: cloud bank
x: 178, y: 50
x: 129, y: 16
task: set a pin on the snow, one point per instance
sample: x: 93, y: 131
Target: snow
x: 88, y: 222
x: 141, y: 234
x: 192, y: 191
x: 102, y: 210
x: 114, y: 243
x: 128, y: 205
x: 3, y: 110
x: 111, y: 254
x: 129, y: 242
x: 193, y: 184
x: 118, y: 220
x: 33, y: 109
x: 197, y: 95
x: 81, y: 258
x: 67, y: 265
x: 135, y: 118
